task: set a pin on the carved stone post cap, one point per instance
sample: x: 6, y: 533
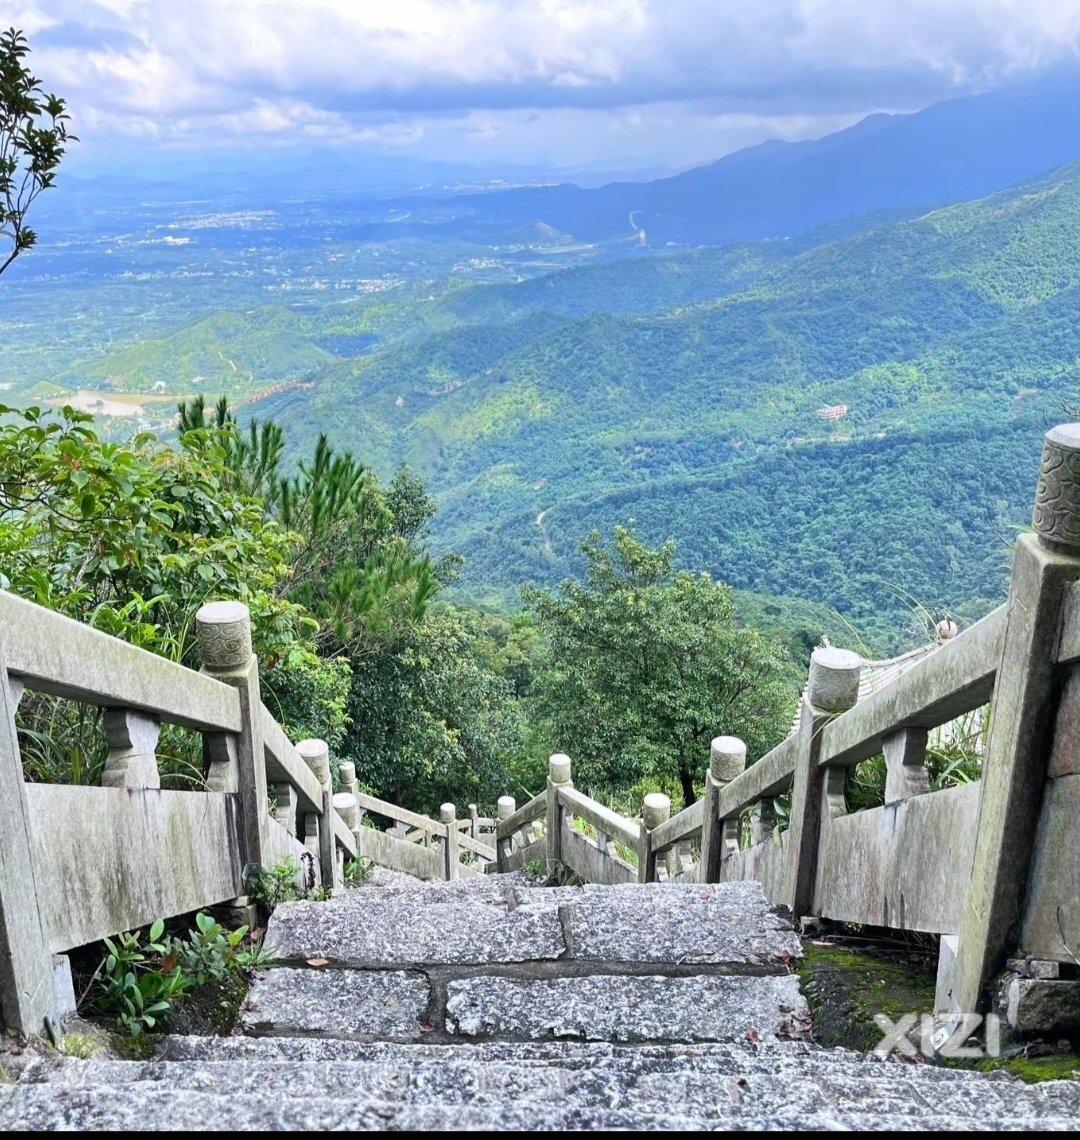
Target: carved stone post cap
x: 316, y: 754
x: 834, y: 678
x: 655, y: 808
x: 559, y: 769
x: 447, y: 813
x: 224, y: 634
x: 1056, y: 517
x: 348, y: 772
x: 506, y: 807
x: 727, y: 758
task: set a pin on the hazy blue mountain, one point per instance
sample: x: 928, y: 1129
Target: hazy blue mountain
x: 951, y: 151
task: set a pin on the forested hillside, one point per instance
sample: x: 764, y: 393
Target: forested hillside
x: 543, y: 409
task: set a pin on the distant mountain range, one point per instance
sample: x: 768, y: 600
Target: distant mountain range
x: 688, y: 392
x: 949, y: 152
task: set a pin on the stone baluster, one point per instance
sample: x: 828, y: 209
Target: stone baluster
x: 719, y: 837
x: 905, y: 764
x: 655, y: 810
x: 763, y: 821
x: 285, y: 806
x: 833, y: 688
x: 451, y: 849
x: 224, y: 636
x: 132, y: 737
x: 316, y: 754
x: 1021, y: 742
x: 504, y: 847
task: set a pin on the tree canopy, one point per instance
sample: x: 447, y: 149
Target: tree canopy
x: 33, y: 137
x: 645, y: 665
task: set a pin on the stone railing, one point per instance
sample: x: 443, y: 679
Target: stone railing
x: 81, y: 863
x: 992, y: 866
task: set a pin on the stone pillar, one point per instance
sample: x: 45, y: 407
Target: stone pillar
x: 132, y: 737
x: 655, y: 810
x: 224, y: 634
x: 316, y: 754
x: 285, y: 801
x: 451, y: 851
x: 345, y: 805
x: 558, y: 777
x: 719, y: 837
x: 833, y: 687
x: 905, y: 764
x: 1023, y: 713
x: 474, y: 821
x: 26, y: 968
x: 350, y: 786
x: 503, y: 847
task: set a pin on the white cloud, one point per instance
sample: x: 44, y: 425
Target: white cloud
x: 428, y: 70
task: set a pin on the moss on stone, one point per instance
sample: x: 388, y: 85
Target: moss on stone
x: 140, y: 1048
x: 845, y: 988
x: 1055, y: 1067
x: 80, y: 1045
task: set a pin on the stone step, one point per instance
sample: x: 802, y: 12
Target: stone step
x: 409, y: 1005
x: 725, y: 927
x: 226, y: 1092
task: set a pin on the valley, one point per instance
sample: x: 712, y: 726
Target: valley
x: 768, y: 403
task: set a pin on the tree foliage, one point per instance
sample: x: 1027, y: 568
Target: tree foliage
x: 645, y: 665
x: 33, y: 137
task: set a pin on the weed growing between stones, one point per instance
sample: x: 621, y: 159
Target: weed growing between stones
x: 144, y: 978
x: 286, y: 881
x: 357, y: 871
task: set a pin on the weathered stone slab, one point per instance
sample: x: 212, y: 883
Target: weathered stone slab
x: 155, y: 854
x: 387, y: 1005
x: 407, y: 930
x: 906, y: 865
x: 850, y: 1097
x: 726, y: 925
x: 766, y: 863
x: 605, y: 1008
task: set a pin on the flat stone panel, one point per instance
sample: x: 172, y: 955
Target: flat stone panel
x: 387, y: 1005
x: 112, y: 859
x: 403, y: 931
x: 905, y: 866
x: 716, y: 924
x: 766, y: 863
x: 702, y: 1008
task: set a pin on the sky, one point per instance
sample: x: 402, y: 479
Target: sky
x: 644, y: 85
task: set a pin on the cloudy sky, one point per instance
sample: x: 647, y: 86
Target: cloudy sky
x: 636, y: 83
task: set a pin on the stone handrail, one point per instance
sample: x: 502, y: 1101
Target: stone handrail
x: 81, y: 863
x: 988, y: 865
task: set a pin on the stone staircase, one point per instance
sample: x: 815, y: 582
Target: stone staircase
x: 491, y: 1003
